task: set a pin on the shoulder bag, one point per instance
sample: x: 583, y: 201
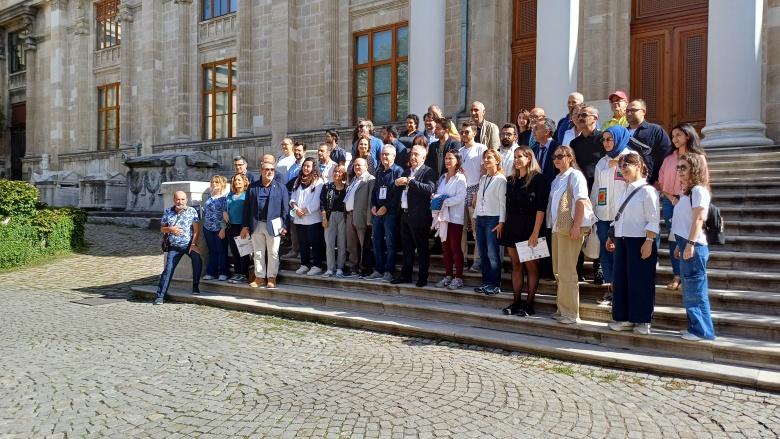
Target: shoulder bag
x: 611, y: 231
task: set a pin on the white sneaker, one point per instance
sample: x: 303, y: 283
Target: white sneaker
x: 387, y: 277
x: 691, y: 337
x: 222, y: 278
x: 566, y: 320
x: 328, y: 273
x: 303, y: 270
x: 314, y: 271
x: 375, y: 276
x: 339, y: 273
x: 208, y: 277
x: 621, y: 326
x: 642, y: 328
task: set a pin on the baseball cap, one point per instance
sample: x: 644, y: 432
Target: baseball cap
x: 620, y: 94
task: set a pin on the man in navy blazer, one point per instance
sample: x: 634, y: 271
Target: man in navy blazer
x: 545, y: 146
x: 265, y: 220
x: 438, y: 149
x: 414, y: 187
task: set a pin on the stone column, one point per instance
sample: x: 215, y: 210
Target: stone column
x: 557, y: 24
x: 33, y: 123
x: 80, y: 104
x: 282, y: 13
x: 126, y: 112
x: 426, y: 54
x: 183, y: 41
x: 734, y: 52
x: 331, y: 67
x: 245, y: 88
x: 151, y: 75
x: 59, y: 88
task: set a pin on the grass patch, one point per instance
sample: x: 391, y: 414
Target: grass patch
x: 565, y: 370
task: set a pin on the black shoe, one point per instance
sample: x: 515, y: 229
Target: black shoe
x: 581, y: 277
x: 400, y: 280
x: 598, y: 277
x: 351, y: 274
x: 514, y: 308
x: 421, y: 283
x: 529, y: 310
x: 195, y: 290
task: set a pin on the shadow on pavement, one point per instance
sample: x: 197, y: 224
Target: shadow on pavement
x: 119, y: 289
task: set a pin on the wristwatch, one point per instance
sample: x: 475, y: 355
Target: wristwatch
x: 649, y: 239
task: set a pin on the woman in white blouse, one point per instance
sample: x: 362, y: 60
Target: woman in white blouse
x: 565, y: 214
x: 305, y: 205
x: 489, y: 205
x: 453, y: 185
x: 692, y: 249
x: 635, y: 253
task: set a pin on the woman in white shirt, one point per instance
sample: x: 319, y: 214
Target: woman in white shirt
x: 607, y: 183
x: 692, y: 249
x: 453, y: 185
x: 489, y: 205
x: 565, y: 215
x: 305, y: 205
x: 635, y: 252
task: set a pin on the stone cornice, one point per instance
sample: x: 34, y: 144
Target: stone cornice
x: 59, y: 5
x: 376, y: 7
x: 16, y: 14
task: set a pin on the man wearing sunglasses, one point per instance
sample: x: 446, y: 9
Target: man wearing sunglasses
x: 648, y: 134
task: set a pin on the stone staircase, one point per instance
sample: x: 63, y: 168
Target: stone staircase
x: 744, y: 279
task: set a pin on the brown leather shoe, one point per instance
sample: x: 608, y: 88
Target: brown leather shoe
x: 257, y: 283
x: 271, y: 282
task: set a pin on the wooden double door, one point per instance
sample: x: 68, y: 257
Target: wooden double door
x: 669, y: 60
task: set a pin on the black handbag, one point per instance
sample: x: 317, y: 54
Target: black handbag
x: 166, y: 243
x: 611, y: 231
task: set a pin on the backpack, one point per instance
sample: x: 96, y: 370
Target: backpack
x: 713, y: 227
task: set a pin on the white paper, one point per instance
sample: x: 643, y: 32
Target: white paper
x: 527, y: 253
x: 244, y: 245
x: 276, y: 225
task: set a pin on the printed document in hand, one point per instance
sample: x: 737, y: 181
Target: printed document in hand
x: 244, y: 245
x: 276, y: 224
x: 527, y: 253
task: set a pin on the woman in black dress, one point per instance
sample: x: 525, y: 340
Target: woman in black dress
x: 526, y: 202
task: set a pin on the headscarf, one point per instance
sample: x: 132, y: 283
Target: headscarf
x: 621, y: 136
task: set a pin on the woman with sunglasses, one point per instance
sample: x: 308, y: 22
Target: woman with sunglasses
x: 233, y: 217
x: 685, y: 141
x: 566, y: 214
x: 607, y: 183
x: 635, y: 252
x: 692, y: 248
x: 527, y: 192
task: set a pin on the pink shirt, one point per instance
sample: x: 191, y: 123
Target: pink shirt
x: 667, y: 175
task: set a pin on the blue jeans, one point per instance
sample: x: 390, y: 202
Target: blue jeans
x: 172, y: 259
x: 606, y: 257
x: 487, y: 242
x: 218, y: 254
x: 385, y: 249
x: 668, y: 210
x: 694, y: 291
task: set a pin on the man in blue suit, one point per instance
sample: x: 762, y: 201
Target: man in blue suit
x: 545, y: 147
x: 265, y: 220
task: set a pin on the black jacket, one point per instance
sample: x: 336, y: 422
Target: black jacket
x: 419, y: 195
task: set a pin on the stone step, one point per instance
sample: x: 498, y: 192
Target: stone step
x: 761, y: 262
x: 741, y: 152
x: 734, y: 360
x: 740, y: 187
x: 770, y: 160
x: 750, y: 301
x: 734, y: 214
x: 756, y: 200
x: 716, y: 174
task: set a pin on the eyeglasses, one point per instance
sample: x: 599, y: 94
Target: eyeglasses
x: 633, y: 110
x: 560, y: 156
x: 269, y: 169
x: 682, y: 168
x: 584, y: 115
x: 466, y: 132
x: 607, y: 139
x: 626, y: 165
x: 507, y: 134
x: 362, y: 126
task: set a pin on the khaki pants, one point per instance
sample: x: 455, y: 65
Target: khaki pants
x: 355, y: 243
x: 468, y: 222
x: 564, y: 259
x: 266, y: 252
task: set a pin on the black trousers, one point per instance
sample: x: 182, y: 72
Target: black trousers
x: 414, y: 238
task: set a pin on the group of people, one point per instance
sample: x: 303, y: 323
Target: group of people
x: 524, y: 182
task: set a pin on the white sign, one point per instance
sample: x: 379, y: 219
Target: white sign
x: 244, y: 246
x: 528, y: 253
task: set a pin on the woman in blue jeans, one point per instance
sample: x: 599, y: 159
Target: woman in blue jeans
x: 214, y: 230
x: 489, y: 205
x: 692, y: 249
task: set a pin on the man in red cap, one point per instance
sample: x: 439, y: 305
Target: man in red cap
x: 617, y: 101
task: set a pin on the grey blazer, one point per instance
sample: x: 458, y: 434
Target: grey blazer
x: 361, y: 215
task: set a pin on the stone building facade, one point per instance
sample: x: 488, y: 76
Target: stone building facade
x: 91, y: 91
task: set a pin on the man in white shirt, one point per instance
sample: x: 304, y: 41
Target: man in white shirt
x: 472, y: 167
x: 284, y: 161
x: 299, y: 153
x: 508, y: 147
x: 326, y: 164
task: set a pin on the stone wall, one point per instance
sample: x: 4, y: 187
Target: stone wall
x: 772, y: 70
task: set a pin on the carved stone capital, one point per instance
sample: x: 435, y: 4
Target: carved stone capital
x: 124, y: 14
x: 59, y: 5
x: 80, y: 27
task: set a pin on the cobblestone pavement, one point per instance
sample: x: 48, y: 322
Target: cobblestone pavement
x: 129, y: 369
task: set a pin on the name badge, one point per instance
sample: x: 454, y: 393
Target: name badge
x: 482, y: 206
x: 382, y: 193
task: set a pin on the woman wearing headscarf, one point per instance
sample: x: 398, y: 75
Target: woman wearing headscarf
x: 607, y: 183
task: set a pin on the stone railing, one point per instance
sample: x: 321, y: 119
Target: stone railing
x: 17, y: 80
x: 223, y: 150
x: 106, y: 58
x: 217, y: 29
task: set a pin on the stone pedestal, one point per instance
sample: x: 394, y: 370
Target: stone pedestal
x: 104, y: 191
x: 734, y: 47
x: 58, y: 188
x: 197, y: 193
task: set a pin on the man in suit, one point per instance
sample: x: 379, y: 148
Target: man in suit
x: 357, y: 204
x: 414, y: 188
x: 265, y: 220
x: 545, y: 148
x: 445, y: 143
x: 487, y: 132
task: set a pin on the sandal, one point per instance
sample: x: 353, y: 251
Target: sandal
x: 675, y: 284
